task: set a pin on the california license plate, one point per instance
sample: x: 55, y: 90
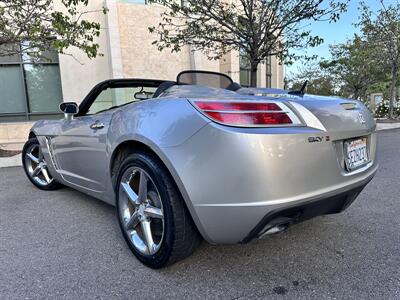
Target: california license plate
x: 356, y: 153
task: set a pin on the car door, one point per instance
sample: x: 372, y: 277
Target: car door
x: 80, y: 149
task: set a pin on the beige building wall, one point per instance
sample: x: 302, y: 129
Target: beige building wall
x: 278, y: 73
x: 229, y: 64
x: 261, y: 75
x: 16, y: 132
x: 126, y: 45
x: 79, y: 73
x: 140, y: 58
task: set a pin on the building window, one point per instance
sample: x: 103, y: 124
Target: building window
x: 30, y: 89
x: 268, y: 72
x: 245, y: 70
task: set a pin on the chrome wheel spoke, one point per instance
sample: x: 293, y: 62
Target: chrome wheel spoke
x: 142, y: 187
x: 33, y: 158
x: 46, y: 175
x: 141, y: 210
x: 153, y: 212
x: 36, y: 165
x: 133, y: 221
x: 148, y: 236
x: 37, y: 171
x: 133, y: 198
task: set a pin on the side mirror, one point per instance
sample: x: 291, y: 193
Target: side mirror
x: 69, y: 109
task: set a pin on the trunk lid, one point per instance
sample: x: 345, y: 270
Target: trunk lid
x: 336, y: 114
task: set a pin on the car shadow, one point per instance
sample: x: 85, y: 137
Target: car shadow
x: 299, y: 247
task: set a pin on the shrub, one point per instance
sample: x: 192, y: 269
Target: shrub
x: 382, y: 109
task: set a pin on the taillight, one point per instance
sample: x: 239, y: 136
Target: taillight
x: 247, y: 113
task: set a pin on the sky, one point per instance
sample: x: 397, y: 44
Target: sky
x: 334, y: 33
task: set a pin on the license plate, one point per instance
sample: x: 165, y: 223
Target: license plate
x: 356, y: 153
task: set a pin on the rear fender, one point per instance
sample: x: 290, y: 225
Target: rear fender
x: 158, y: 124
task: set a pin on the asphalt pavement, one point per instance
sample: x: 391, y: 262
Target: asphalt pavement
x: 63, y: 244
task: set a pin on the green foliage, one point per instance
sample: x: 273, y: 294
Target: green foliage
x: 35, y: 27
x: 366, y: 63
x: 355, y: 68
x: 382, y: 109
x: 260, y: 28
x: 382, y: 31
x: 320, y: 82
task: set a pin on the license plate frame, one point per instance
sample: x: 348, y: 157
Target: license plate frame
x: 356, y: 153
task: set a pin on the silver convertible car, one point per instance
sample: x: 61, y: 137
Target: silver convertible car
x: 202, y: 157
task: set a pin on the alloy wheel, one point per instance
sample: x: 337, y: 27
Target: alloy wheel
x: 37, y: 166
x: 141, y: 210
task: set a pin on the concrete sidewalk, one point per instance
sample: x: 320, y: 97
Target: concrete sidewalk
x: 386, y: 126
x: 12, y: 161
x: 16, y: 160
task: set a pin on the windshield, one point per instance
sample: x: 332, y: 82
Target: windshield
x: 111, y: 98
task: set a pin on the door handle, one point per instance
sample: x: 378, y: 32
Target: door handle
x: 97, y: 125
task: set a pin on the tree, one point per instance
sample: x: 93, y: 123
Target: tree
x: 34, y: 27
x: 382, y: 31
x: 354, y: 66
x: 320, y: 82
x: 258, y: 28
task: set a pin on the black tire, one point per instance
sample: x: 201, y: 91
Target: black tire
x: 180, y: 237
x: 48, y: 187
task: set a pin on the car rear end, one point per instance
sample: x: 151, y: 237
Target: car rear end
x: 261, y: 164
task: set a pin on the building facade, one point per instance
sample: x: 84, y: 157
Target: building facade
x: 30, y: 92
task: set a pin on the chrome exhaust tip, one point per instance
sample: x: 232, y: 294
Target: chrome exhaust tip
x: 274, y: 230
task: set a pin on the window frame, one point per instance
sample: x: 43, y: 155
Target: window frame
x: 27, y: 114
x: 91, y: 97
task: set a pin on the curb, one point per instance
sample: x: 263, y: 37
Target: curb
x: 386, y: 126
x: 13, y: 161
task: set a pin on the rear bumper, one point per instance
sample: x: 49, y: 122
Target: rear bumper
x: 241, y: 222
x: 306, y: 210
x: 232, y: 179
